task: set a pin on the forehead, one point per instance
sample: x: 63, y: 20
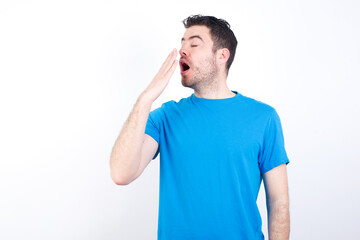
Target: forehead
x: 201, y: 31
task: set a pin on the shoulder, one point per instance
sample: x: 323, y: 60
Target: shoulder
x: 173, y: 104
x: 258, y: 106
x: 265, y: 114
x: 169, y: 107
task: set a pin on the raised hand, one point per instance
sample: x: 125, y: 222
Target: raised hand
x: 162, y: 78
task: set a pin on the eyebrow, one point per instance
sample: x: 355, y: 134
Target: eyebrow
x: 192, y: 37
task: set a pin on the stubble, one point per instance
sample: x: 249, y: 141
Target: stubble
x: 204, y: 75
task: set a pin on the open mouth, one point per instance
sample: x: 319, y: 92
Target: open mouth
x: 184, y: 67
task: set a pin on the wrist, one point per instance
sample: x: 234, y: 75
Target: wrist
x: 145, y: 99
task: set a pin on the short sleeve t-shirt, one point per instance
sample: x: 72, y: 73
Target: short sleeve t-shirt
x: 213, y: 153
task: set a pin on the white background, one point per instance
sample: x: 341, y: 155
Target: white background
x: 71, y: 71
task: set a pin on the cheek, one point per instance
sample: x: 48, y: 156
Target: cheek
x: 209, y: 61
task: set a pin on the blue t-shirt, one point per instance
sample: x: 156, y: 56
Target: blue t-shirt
x: 213, y: 153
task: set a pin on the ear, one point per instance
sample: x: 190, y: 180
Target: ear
x: 223, y: 55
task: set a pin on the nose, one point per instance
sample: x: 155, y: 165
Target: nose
x: 183, y: 52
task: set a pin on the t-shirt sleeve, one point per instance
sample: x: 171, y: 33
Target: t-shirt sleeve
x: 153, y: 127
x: 273, y: 151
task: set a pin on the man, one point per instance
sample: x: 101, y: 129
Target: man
x: 215, y: 146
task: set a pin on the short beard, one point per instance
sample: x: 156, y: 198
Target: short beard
x: 202, y: 79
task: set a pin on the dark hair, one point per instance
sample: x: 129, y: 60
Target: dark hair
x: 221, y: 34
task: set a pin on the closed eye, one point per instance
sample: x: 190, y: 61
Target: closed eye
x: 194, y: 45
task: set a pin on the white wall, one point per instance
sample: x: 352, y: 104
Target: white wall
x: 71, y: 71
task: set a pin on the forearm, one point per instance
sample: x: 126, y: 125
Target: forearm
x: 125, y: 155
x: 279, y: 220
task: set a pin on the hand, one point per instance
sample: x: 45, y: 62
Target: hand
x: 161, y: 79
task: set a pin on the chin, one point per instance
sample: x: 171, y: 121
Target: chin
x: 186, y: 82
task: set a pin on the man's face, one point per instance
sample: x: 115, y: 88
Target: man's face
x: 197, y: 62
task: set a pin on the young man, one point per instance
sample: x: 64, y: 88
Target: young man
x: 215, y: 146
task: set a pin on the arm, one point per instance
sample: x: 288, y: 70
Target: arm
x: 126, y: 154
x: 277, y: 201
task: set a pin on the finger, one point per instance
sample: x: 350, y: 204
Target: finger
x: 169, y: 60
x: 172, y: 68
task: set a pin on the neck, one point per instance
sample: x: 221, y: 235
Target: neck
x: 215, y: 90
